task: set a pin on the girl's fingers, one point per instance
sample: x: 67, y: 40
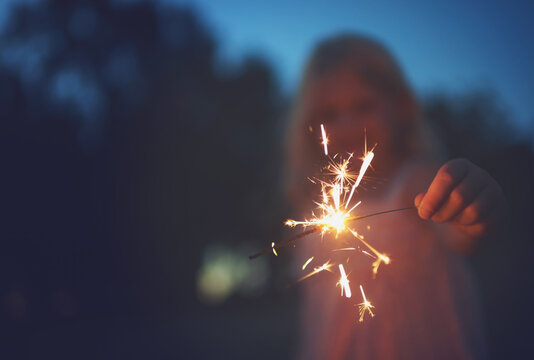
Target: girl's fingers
x: 417, y: 199
x: 462, y: 195
x: 447, y: 178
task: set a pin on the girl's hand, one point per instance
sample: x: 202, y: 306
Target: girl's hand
x: 465, y: 195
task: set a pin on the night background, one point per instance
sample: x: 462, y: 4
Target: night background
x: 141, y: 157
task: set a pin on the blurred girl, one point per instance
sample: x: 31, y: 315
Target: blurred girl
x: 425, y: 302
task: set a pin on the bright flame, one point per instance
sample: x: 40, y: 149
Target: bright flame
x: 333, y: 218
x: 344, y: 282
x: 365, y: 306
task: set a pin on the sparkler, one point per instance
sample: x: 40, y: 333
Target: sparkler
x: 289, y: 241
x: 335, y: 216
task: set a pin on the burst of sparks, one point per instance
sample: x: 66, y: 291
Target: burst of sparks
x: 335, y: 212
x: 344, y: 282
x: 335, y: 202
x: 336, y: 195
x: 365, y: 306
x: 333, y: 217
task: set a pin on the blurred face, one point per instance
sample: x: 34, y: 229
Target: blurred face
x: 348, y: 107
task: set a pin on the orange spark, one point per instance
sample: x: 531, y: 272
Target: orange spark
x: 307, y: 262
x: 366, y: 162
x: 326, y: 266
x: 274, y: 250
x: 365, y: 306
x: 379, y: 256
x: 345, y: 249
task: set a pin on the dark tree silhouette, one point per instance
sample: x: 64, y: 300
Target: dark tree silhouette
x: 475, y: 126
x: 124, y: 151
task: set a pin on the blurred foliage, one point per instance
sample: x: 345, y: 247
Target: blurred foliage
x: 127, y: 150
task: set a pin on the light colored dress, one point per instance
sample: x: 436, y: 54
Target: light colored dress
x: 425, y: 300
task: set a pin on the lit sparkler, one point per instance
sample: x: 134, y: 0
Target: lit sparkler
x: 335, y: 201
x: 315, y: 229
x: 335, y: 215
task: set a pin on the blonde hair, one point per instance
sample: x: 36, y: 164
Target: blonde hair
x: 374, y: 66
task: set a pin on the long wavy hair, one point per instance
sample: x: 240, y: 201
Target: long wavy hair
x: 374, y: 66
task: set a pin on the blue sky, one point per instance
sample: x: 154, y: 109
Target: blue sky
x: 441, y: 44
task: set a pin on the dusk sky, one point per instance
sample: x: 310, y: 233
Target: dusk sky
x: 449, y: 45
x: 442, y: 45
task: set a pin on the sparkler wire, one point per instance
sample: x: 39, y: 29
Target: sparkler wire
x: 284, y: 243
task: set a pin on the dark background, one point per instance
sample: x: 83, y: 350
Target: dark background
x: 136, y: 171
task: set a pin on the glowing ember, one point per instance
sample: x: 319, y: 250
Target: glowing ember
x: 274, y: 250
